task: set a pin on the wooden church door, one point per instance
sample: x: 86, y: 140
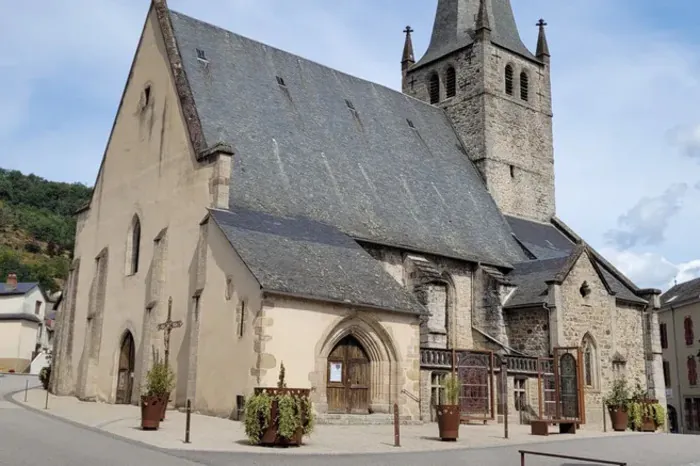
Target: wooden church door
x: 125, y: 374
x: 348, y: 378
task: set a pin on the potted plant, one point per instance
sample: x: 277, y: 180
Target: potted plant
x: 448, y: 415
x: 617, y: 402
x: 278, y: 416
x: 160, y: 381
x: 645, y: 414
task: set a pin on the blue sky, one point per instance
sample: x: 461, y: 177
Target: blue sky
x: 626, y: 76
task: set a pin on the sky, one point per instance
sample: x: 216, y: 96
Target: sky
x: 625, y: 80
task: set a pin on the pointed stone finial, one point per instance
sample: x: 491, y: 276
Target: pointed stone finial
x: 408, y: 56
x: 542, y: 46
x: 483, y: 23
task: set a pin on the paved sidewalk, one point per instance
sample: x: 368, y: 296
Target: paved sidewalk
x: 216, y: 434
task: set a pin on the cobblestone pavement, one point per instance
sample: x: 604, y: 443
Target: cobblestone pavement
x: 35, y: 436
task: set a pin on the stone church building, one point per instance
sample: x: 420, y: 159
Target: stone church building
x: 369, y: 239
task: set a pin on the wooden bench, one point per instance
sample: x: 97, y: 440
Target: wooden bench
x: 541, y: 426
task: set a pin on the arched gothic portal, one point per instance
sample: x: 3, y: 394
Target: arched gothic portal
x: 125, y: 371
x: 357, y: 368
x: 348, y: 378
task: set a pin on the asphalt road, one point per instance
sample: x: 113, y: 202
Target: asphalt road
x: 29, y: 438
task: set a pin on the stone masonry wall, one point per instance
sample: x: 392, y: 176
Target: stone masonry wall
x: 528, y: 331
x: 509, y: 139
x: 611, y: 327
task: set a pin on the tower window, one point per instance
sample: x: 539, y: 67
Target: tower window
x: 451, y: 82
x: 434, y: 88
x: 524, y: 91
x: 509, y: 80
x: 134, y: 246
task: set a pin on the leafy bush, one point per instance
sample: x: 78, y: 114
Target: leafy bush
x: 452, y: 386
x: 160, y: 380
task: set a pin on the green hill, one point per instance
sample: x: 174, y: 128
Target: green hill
x: 37, y: 227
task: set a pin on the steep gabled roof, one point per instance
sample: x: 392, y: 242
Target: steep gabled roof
x: 304, y: 258
x: 312, y: 142
x: 554, y: 240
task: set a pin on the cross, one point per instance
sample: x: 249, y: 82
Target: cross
x: 168, y: 327
x: 541, y: 23
x: 408, y: 30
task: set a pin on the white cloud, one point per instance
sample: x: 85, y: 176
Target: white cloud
x: 651, y: 270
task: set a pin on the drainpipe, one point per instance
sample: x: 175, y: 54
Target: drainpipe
x: 681, y: 405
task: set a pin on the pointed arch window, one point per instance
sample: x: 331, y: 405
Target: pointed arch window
x: 434, y: 88
x: 688, y: 329
x: 590, y: 361
x: 451, y: 82
x: 524, y: 86
x: 509, y: 80
x: 133, y: 246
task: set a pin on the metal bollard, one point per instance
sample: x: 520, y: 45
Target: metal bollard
x: 397, y: 433
x: 187, y: 422
x: 46, y: 406
x: 26, y: 387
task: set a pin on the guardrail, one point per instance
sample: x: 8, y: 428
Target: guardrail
x: 566, y: 457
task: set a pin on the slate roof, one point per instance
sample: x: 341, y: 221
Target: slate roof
x: 455, y: 24
x: 378, y: 165
x: 305, y: 258
x: 545, y: 241
x: 685, y: 291
x: 530, y: 278
x: 15, y: 316
x: 20, y: 289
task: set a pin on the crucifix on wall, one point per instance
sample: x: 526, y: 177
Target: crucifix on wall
x: 168, y: 327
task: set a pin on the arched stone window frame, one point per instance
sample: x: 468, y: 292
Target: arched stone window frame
x: 509, y: 78
x: 133, y: 246
x: 591, y: 363
x: 524, y: 85
x: 434, y: 87
x: 450, y: 81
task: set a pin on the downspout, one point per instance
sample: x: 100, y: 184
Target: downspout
x: 681, y: 405
x: 546, y: 307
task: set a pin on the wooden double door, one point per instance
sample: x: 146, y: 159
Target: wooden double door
x: 348, y: 378
x: 125, y: 373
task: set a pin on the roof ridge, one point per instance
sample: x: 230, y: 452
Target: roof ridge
x: 279, y: 49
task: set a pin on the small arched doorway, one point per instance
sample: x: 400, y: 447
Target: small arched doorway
x: 348, y: 378
x: 125, y: 372
x: 672, y: 419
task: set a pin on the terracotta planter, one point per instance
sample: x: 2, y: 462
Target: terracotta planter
x: 648, y: 425
x: 619, y: 418
x: 165, y: 398
x: 270, y: 438
x: 151, y: 409
x: 448, y: 417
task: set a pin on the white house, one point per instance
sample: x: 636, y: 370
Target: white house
x: 23, y: 331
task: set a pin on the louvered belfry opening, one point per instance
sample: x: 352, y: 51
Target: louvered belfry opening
x: 524, y: 91
x: 451, y: 82
x: 509, y: 80
x: 434, y: 88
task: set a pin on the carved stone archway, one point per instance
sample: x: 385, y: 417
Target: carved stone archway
x: 385, y: 375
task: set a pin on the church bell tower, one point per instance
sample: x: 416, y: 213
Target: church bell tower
x: 498, y: 96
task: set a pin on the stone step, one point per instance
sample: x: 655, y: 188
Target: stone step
x: 363, y: 419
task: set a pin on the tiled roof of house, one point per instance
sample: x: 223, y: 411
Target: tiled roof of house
x: 682, y: 292
x: 21, y: 288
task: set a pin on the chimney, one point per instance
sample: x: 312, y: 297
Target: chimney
x: 11, y: 283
